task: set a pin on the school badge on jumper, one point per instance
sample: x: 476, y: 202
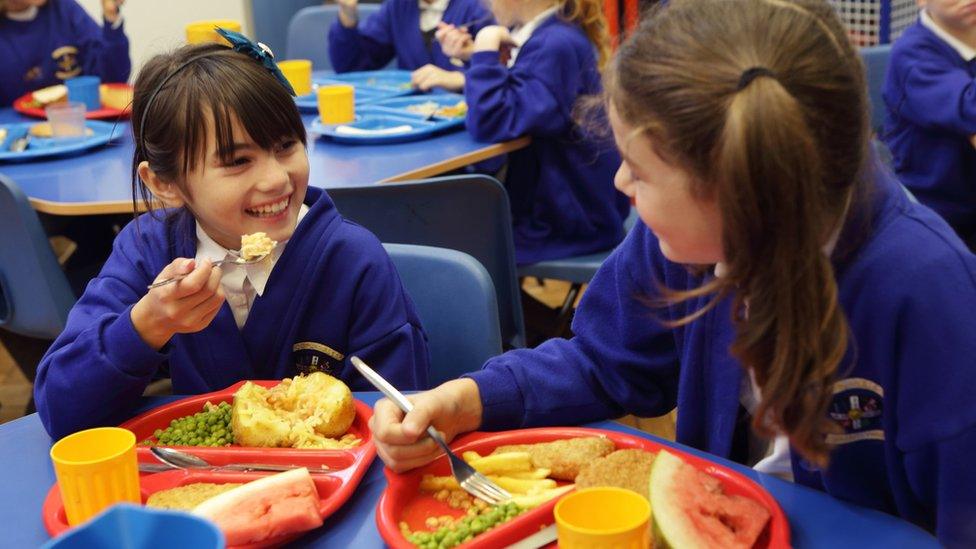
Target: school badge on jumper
x: 66, y: 58
x: 856, y: 407
x: 310, y: 356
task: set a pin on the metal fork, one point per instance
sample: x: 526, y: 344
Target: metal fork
x: 470, y: 480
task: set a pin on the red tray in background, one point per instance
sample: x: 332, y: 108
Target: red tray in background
x: 403, y: 501
x: 24, y: 105
x: 347, y: 466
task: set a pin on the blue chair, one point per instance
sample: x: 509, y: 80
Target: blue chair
x: 468, y: 213
x: 455, y: 299
x: 577, y: 270
x: 35, y: 296
x: 876, y: 66
x: 269, y: 21
x: 308, y: 33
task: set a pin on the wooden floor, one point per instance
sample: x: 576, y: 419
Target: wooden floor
x: 15, y: 389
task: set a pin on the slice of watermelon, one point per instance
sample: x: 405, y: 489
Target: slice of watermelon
x: 265, y: 508
x: 690, y: 510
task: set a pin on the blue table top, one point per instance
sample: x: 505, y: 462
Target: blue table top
x: 99, y: 181
x: 816, y: 520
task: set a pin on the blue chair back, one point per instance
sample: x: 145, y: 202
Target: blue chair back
x: 308, y: 33
x: 269, y: 21
x: 876, y: 65
x: 35, y: 296
x: 455, y: 299
x: 468, y: 213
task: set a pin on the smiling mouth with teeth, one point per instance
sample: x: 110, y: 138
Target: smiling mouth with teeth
x: 269, y: 210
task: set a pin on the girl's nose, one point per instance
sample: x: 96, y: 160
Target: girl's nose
x: 623, y: 181
x: 274, y: 176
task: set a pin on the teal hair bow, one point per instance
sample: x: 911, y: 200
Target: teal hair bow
x: 257, y: 51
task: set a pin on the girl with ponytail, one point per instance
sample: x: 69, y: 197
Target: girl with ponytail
x: 802, y: 312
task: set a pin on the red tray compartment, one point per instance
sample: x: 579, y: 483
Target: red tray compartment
x: 403, y: 501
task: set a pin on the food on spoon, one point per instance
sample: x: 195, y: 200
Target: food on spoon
x: 689, y: 508
x: 256, y: 245
x: 628, y: 469
x: 564, y: 458
x: 272, y: 506
x: 185, y: 498
x: 303, y: 412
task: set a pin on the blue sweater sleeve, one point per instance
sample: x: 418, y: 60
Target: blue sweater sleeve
x: 96, y: 370
x: 367, y: 46
x: 105, y: 51
x: 945, y: 475
x: 935, y: 94
x: 534, y: 97
x: 620, y: 361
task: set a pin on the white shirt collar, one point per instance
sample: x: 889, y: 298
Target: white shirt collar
x: 964, y: 50
x: 256, y: 273
x: 522, y: 34
x: 431, y: 14
x: 27, y: 15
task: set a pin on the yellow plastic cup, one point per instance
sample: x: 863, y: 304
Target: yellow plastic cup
x: 337, y: 104
x: 96, y: 468
x: 299, y: 74
x: 598, y: 518
x: 199, y: 32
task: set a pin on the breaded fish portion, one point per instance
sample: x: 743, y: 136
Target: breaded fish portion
x: 629, y: 469
x: 563, y: 457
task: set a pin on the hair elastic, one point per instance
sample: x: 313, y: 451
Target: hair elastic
x: 751, y: 74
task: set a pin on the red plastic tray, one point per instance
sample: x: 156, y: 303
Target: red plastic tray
x: 23, y: 105
x: 347, y: 467
x: 403, y: 501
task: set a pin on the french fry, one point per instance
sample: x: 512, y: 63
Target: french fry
x: 502, y: 464
x: 528, y: 501
x: 430, y: 483
x: 523, y: 486
x: 541, y: 472
x: 470, y: 456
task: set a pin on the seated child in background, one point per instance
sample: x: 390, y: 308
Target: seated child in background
x: 220, y: 142
x: 403, y: 30
x: 930, y: 94
x: 45, y: 42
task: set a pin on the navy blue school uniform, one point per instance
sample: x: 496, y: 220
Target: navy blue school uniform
x: 561, y: 186
x: 60, y: 43
x: 930, y: 95
x: 904, y: 404
x: 394, y: 33
x: 333, y: 293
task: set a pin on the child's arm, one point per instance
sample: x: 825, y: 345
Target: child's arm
x: 620, y: 361
x: 368, y: 45
x: 934, y: 94
x: 945, y: 470
x: 104, y: 49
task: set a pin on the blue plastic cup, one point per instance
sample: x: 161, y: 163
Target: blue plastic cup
x: 135, y: 527
x: 84, y: 89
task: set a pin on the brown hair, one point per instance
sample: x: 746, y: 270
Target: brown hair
x: 589, y: 15
x: 210, y: 80
x: 781, y: 154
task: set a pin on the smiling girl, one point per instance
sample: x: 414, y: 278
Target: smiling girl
x: 222, y: 146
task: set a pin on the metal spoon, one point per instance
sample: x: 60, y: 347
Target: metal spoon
x: 237, y: 261
x: 184, y: 460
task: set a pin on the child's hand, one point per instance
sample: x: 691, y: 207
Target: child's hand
x: 402, y: 442
x: 432, y: 76
x: 493, y: 38
x: 348, y: 13
x: 455, y: 42
x: 972, y: 139
x: 110, y: 9
x: 183, y: 307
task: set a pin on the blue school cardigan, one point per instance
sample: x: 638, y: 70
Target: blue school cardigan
x: 561, y: 187
x: 903, y: 404
x: 333, y: 293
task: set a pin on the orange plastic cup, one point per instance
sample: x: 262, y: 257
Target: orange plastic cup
x: 299, y: 74
x: 598, y: 518
x: 96, y: 468
x: 199, y: 32
x: 337, y: 104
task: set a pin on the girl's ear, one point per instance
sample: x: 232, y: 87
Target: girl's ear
x: 168, y: 193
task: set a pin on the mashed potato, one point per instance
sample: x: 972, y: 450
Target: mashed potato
x: 303, y: 412
x: 256, y: 245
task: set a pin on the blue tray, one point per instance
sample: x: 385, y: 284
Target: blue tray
x: 371, y: 86
x: 372, y: 118
x: 44, y: 147
x: 402, y: 105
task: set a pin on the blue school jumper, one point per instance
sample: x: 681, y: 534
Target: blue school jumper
x: 60, y: 43
x: 394, y: 32
x: 904, y: 404
x: 560, y: 187
x: 930, y: 95
x: 333, y: 293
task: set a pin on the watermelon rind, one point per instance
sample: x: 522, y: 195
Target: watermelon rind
x: 672, y: 527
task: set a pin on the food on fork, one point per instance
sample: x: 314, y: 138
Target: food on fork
x: 256, y: 245
x: 564, y: 458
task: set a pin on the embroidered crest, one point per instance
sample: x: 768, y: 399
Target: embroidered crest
x: 66, y: 58
x: 310, y: 356
x: 856, y: 407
